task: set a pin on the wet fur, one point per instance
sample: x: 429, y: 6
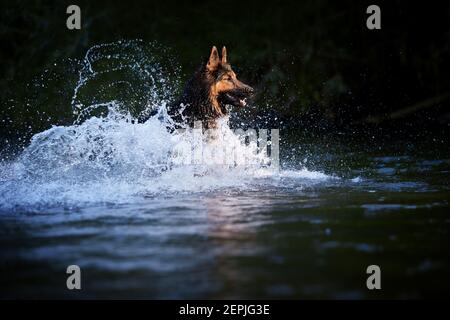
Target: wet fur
x: 212, y: 88
x: 197, y: 103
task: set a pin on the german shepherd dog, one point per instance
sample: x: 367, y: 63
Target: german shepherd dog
x: 207, y: 95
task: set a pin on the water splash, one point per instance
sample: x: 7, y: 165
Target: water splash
x: 126, y: 76
x: 108, y: 157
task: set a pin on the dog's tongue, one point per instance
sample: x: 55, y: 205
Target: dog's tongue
x: 243, y: 102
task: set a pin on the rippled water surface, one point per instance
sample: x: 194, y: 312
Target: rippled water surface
x: 113, y: 197
x: 300, y: 233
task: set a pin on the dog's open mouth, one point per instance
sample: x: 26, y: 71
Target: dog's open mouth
x: 242, y: 102
x: 236, y: 98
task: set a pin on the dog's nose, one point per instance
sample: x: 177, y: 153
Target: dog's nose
x: 249, y: 90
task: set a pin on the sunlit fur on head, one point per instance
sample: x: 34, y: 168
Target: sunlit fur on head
x: 213, y: 87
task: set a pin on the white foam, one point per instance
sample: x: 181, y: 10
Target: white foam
x: 114, y: 160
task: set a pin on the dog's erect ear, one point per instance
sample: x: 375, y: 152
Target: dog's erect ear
x: 224, y: 55
x: 213, y: 62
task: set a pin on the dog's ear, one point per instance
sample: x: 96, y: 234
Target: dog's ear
x: 213, y: 62
x: 224, y: 55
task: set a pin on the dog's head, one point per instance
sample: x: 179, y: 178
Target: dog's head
x: 226, y: 89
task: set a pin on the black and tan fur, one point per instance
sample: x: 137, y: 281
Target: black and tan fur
x: 213, y: 87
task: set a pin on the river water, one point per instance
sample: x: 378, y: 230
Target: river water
x: 89, y: 195
x: 117, y: 199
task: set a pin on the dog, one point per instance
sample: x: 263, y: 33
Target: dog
x: 208, y: 94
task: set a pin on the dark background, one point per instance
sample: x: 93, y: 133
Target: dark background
x: 314, y: 64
